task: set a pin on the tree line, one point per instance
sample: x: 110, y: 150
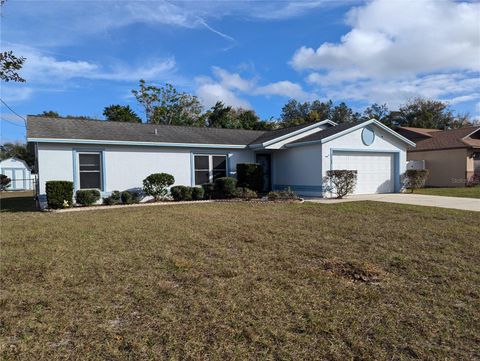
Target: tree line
x: 166, y: 105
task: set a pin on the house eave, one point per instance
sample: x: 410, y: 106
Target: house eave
x: 136, y: 143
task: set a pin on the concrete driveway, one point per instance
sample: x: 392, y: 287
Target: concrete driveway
x: 466, y: 204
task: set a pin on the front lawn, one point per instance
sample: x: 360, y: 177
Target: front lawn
x: 465, y: 192
x: 360, y: 280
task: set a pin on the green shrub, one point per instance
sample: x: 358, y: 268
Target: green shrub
x: 4, y: 182
x: 129, y: 197
x: 156, y: 185
x: 245, y: 193
x: 250, y: 175
x: 224, y: 188
x: 197, y: 193
x: 59, y: 194
x: 340, y: 182
x: 87, y: 197
x: 282, y: 195
x: 208, y: 190
x: 181, y: 193
x: 415, y: 178
x: 114, y: 198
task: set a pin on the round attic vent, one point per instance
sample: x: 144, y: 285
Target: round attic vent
x: 368, y: 136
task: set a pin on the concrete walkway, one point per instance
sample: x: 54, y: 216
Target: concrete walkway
x: 466, y: 204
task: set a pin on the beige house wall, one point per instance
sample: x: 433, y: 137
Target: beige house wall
x: 447, y: 168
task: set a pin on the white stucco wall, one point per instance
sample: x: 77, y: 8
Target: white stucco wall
x: 299, y: 168
x: 126, y: 166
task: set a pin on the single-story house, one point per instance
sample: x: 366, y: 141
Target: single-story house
x: 452, y: 157
x: 19, y: 173
x: 118, y: 156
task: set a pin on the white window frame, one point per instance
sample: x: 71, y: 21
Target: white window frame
x: 210, y: 166
x: 100, y: 171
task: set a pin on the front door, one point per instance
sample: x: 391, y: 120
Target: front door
x: 266, y: 162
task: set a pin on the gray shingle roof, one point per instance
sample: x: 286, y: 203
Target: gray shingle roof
x: 65, y: 128
x: 326, y: 133
x: 272, y: 134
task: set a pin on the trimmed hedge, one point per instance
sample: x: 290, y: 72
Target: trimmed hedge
x: 250, y: 175
x: 224, y: 188
x: 114, y: 198
x: 156, y: 185
x: 181, y: 193
x: 59, y: 194
x: 283, y: 195
x: 415, y: 178
x: 208, y: 190
x: 245, y: 193
x: 129, y: 197
x: 87, y: 197
x: 197, y: 193
x: 184, y: 193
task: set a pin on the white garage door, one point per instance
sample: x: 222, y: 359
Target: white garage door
x: 375, y: 171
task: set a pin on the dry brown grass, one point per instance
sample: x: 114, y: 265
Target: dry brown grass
x: 242, y: 281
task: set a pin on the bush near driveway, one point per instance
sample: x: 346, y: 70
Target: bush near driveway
x: 59, y: 194
x: 415, y: 178
x: 340, y: 182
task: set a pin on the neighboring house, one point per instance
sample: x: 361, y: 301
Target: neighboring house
x: 451, y: 156
x: 19, y: 173
x: 118, y: 156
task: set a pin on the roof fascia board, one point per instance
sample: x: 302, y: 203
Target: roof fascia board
x: 149, y: 144
x: 469, y: 135
x: 368, y: 122
x: 291, y: 134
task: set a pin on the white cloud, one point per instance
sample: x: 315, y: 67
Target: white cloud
x: 210, y: 93
x: 391, y: 55
x: 232, y: 88
x: 401, y: 38
x: 284, y: 88
x: 451, y: 87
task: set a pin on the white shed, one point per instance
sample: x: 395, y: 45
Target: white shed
x: 19, y: 172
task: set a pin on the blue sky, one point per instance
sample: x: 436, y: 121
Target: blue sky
x: 85, y: 55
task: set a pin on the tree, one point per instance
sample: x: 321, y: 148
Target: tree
x: 342, y: 113
x: 10, y: 64
x: 248, y: 119
x: 19, y: 151
x: 165, y: 105
x: 49, y: 114
x: 220, y: 116
x: 148, y: 96
x: 427, y: 113
x: 4, y: 182
x: 121, y: 113
x: 378, y: 112
x: 320, y: 110
x: 294, y: 113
